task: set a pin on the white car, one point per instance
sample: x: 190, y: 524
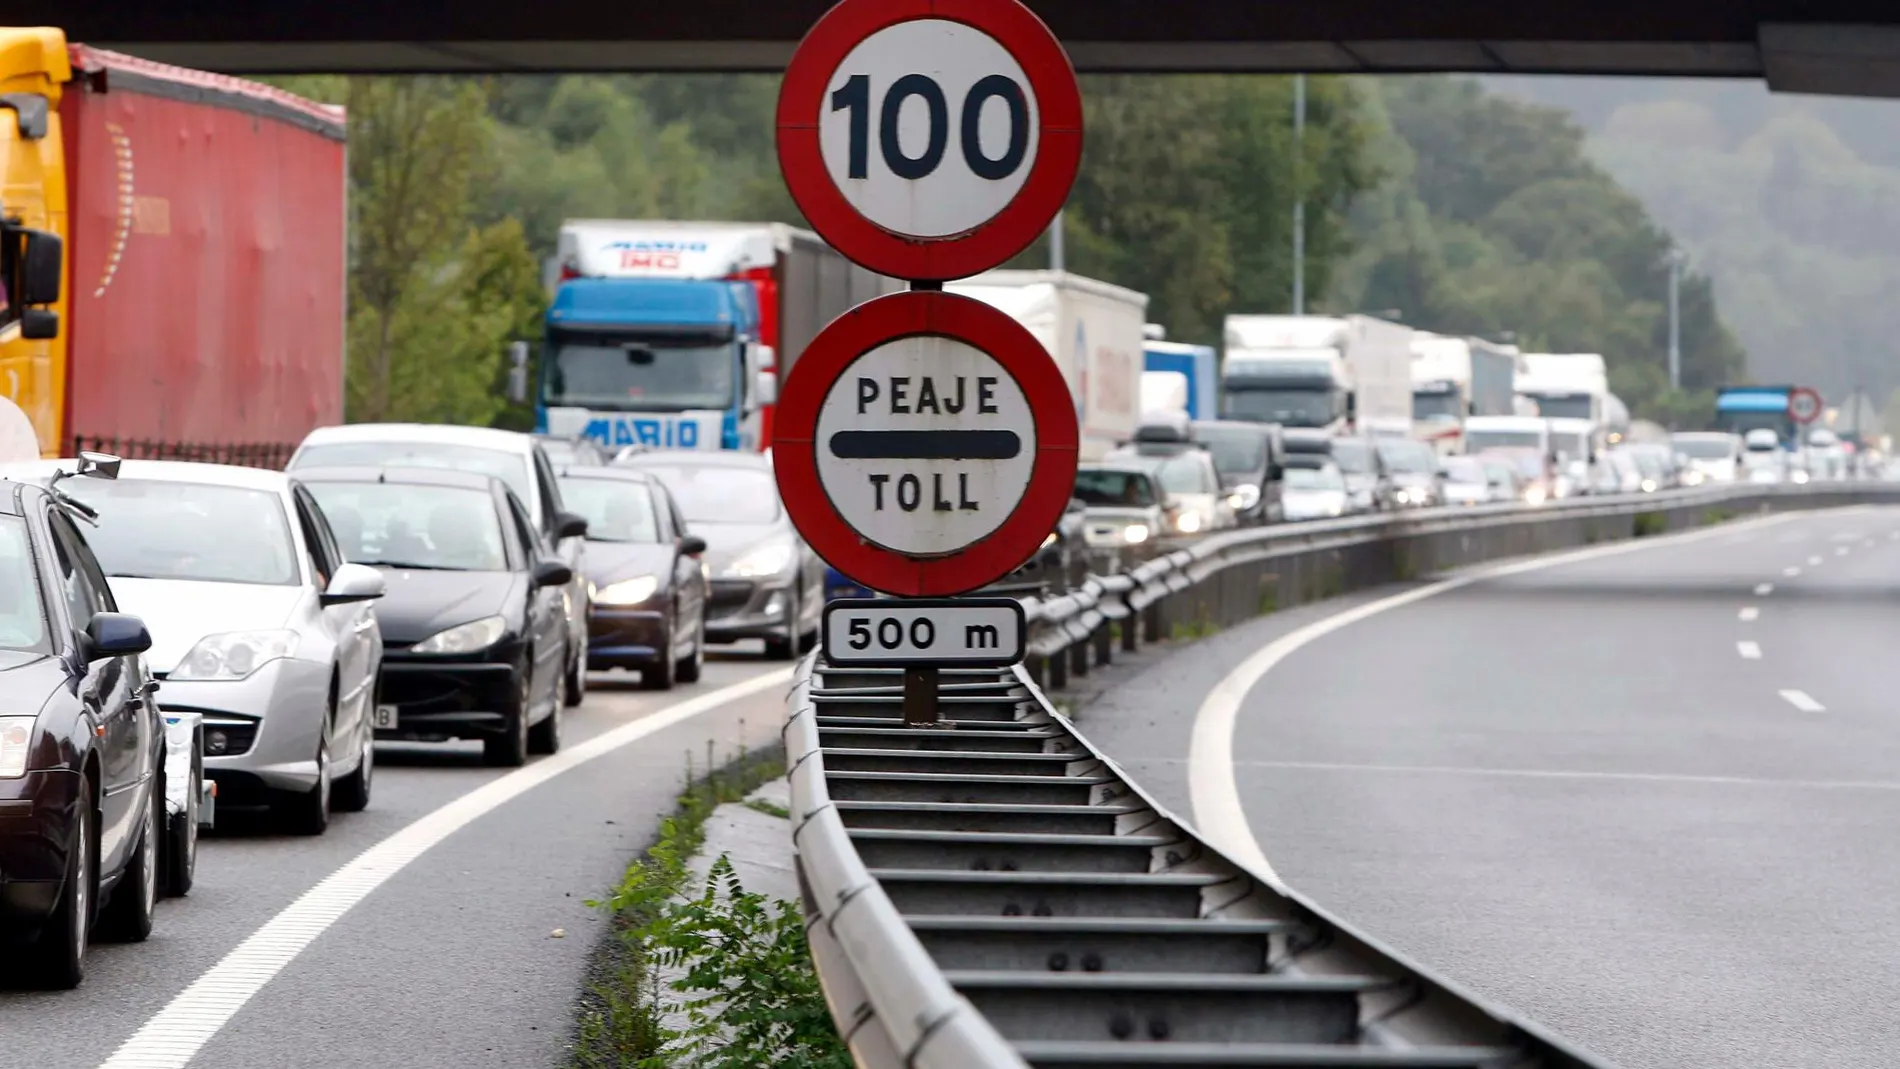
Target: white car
x: 1314, y: 488
x: 1465, y: 481
x: 1714, y: 456
x: 1196, y: 503
x: 257, y: 624
x: 517, y: 459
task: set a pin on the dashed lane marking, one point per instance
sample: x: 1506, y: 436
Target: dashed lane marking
x: 1814, y: 562
x: 175, y: 1034
x: 1791, y: 571
x: 1750, y: 651
x: 1762, y: 590
x: 1749, y: 614
x: 1800, y: 700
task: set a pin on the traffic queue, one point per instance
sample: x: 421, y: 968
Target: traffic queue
x: 183, y: 642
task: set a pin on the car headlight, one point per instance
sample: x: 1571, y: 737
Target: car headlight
x: 765, y: 560
x: 1404, y: 497
x: 1649, y: 486
x: 1244, y: 497
x: 235, y: 654
x: 1135, y: 533
x: 1692, y: 477
x: 1188, y: 522
x: 464, y: 638
x: 627, y: 591
x: 1800, y: 476
x: 16, y: 734
x: 1049, y: 540
x: 1535, y: 495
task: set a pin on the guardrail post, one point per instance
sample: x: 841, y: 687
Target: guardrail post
x: 1058, y: 665
x: 1079, y: 658
x: 1033, y: 664
x: 1104, y: 644
x: 1151, y: 621
x: 1131, y: 633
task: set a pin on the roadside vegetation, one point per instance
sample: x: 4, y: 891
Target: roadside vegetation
x: 742, y: 994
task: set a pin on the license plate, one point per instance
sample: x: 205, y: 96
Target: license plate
x: 385, y: 718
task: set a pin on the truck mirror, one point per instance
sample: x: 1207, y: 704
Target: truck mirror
x: 765, y: 388
x: 518, y: 372
x: 40, y: 268
x: 39, y: 324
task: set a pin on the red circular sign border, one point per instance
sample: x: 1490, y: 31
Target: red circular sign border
x: 988, y: 244
x: 903, y: 315
x: 1820, y: 404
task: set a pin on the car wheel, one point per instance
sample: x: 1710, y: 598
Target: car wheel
x: 510, y: 748
x: 659, y: 674
x: 351, y: 793
x: 127, y: 917
x: 59, y: 956
x: 181, y: 844
x: 690, y: 669
x: 786, y: 648
x: 308, y: 812
x: 545, y: 737
x: 576, y: 684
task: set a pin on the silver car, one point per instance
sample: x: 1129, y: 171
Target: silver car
x: 257, y: 624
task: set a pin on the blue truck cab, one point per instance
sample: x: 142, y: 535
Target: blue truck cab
x: 1740, y: 409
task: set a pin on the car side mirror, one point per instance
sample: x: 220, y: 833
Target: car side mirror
x: 353, y: 583
x: 692, y: 545
x: 552, y: 572
x: 569, y: 525
x: 115, y: 634
x: 98, y: 465
x: 765, y: 388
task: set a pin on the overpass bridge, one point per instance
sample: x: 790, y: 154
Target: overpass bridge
x: 1803, y: 46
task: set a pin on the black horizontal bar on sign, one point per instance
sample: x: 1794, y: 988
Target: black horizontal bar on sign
x: 926, y: 445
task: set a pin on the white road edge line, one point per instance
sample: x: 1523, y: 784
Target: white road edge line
x: 1750, y: 651
x: 1214, y: 791
x: 1842, y: 551
x: 1749, y: 614
x: 172, y: 1037
x: 1814, y: 562
x: 1762, y: 590
x: 1800, y: 700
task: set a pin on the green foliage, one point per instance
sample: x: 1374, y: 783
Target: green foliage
x: 1493, y: 220
x: 1650, y: 523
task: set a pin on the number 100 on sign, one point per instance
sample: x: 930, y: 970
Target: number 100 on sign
x: 947, y: 632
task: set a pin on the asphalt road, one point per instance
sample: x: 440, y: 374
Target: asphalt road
x: 1648, y: 799
x: 451, y: 961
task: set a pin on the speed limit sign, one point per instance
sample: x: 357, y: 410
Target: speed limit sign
x: 1804, y: 405
x: 929, y: 139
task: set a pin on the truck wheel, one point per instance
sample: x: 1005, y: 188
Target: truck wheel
x: 58, y: 958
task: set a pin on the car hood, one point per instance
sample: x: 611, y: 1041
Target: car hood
x: 1118, y: 514
x: 1410, y: 478
x: 1462, y: 490
x: 420, y: 603
x: 1207, y: 504
x: 1360, y: 483
x: 726, y: 542
x: 610, y: 562
x: 31, y: 677
x: 179, y: 612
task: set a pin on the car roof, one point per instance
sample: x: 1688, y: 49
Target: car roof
x: 400, y: 475
x: 1309, y: 460
x: 447, y: 434
x: 1262, y: 429
x: 174, y: 471
x: 563, y: 470
x: 1119, y: 469
x: 707, y: 458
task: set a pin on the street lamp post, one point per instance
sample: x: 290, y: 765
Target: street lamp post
x: 1676, y: 260
x: 1299, y: 196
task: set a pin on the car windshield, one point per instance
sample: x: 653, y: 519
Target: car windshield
x: 151, y: 529
x: 1528, y: 462
x: 598, y: 372
x: 1325, y: 477
x: 1407, y: 457
x: 407, y: 525
x: 1293, y: 408
x: 22, y: 616
x: 1709, y: 448
x: 617, y: 510
x: 1236, y: 450
x: 510, y: 468
x: 1110, y: 487
x: 1464, y: 470
x: 1565, y: 406
x: 1477, y: 438
x: 1353, y: 457
x: 1187, y: 473
x: 719, y: 493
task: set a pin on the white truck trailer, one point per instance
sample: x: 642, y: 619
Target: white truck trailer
x: 1335, y: 373
x: 1454, y: 379
x: 1093, y: 331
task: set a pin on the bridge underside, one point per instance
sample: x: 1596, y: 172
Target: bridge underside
x: 1824, y: 46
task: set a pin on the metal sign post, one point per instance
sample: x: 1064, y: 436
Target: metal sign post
x: 925, y: 444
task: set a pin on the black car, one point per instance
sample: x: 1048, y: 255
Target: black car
x: 766, y: 582
x: 1250, y: 459
x: 645, y: 575
x: 474, y: 626
x: 83, y: 826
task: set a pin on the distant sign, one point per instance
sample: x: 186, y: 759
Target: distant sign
x: 929, y: 139
x: 925, y: 632
x: 926, y: 444
x: 1804, y: 405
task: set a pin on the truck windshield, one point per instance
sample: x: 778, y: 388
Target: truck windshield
x: 1476, y: 440
x: 1293, y: 408
x: 626, y: 375
x: 1704, y: 448
x: 1565, y: 406
x: 1437, y: 405
x: 1743, y: 421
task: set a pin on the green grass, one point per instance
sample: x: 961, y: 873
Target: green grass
x: 748, y: 995
x: 1650, y: 523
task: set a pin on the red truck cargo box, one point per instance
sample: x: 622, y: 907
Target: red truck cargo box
x: 207, y: 256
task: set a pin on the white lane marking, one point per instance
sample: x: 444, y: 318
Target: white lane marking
x: 1800, y: 700
x: 1842, y: 536
x: 1842, y: 551
x: 1750, y: 651
x: 1749, y: 614
x: 1579, y: 774
x: 174, y: 1035
x: 1814, y: 562
x: 1791, y: 571
x: 1762, y: 590
x: 1213, y: 789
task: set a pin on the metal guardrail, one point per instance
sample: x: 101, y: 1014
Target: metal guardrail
x: 997, y: 894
